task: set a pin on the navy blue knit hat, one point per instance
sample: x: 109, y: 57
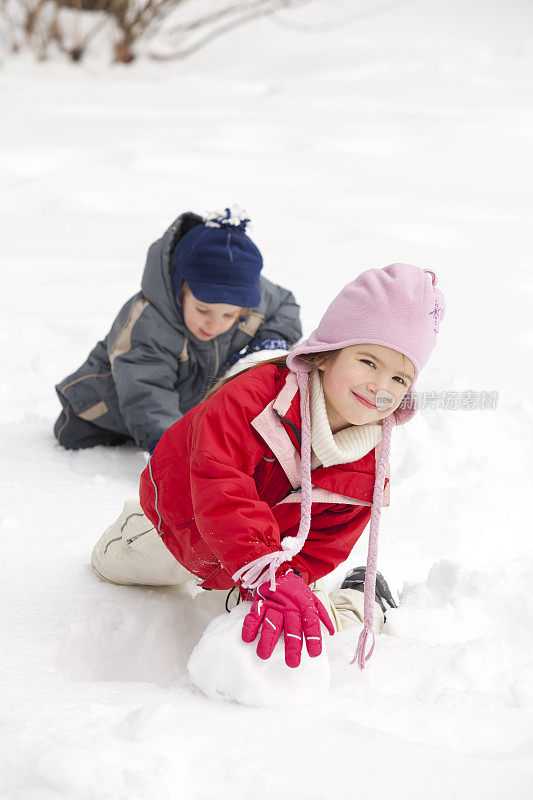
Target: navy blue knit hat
x: 219, y: 261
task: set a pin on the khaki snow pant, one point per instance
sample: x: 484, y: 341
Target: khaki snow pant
x: 130, y: 552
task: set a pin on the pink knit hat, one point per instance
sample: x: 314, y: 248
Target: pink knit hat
x: 399, y: 307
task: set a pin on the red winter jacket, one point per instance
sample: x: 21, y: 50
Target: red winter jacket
x: 222, y: 486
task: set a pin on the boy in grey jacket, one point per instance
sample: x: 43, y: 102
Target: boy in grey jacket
x: 202, y: 303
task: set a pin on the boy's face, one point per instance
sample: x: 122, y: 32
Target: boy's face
x: 207, y: 320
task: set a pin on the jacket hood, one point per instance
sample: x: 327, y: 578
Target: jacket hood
x: 156, y: 283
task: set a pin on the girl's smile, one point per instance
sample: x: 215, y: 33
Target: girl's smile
x: 364, y: 383
x: 365, y: 402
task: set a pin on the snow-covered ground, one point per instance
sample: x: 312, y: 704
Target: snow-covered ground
x: 405, y: 136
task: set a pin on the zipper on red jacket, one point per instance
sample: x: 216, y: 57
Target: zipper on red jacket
x: 291, y: 425
x: 159, y: 518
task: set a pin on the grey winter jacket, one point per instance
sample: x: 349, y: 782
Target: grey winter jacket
x: 150, y: 369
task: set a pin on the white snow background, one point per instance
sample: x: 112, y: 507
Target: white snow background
x: 404, y: 136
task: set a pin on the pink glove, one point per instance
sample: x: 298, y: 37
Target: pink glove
x: 291, y: 606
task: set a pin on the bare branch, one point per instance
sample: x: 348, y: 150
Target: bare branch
x: 209, y: 37
x: 212, y: 17
x: 104, y: 20
x: 66, y: 23
x: 356, y: 16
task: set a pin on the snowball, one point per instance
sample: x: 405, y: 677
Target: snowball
x: 223, y: 666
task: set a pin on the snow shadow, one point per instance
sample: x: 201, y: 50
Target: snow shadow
x: 137, y: 634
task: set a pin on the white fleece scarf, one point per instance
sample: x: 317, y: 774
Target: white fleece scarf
x: 343, y: 447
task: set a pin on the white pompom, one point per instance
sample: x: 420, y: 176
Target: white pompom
x: 289, y: 544
x: 218, y: 219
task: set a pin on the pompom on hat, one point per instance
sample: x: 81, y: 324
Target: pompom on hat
x: 399, y: 307
x: 219, y: 261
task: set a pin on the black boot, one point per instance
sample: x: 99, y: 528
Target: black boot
x: 355, y: 579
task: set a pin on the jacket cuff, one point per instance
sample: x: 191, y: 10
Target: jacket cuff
x: 295, y: 565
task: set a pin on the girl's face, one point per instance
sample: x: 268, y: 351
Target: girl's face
x: 364, y: 383
x: 207, y: 320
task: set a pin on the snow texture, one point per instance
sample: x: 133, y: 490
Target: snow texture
x: 405, y: 135
x: 253, y: 358
x: 223, y: 666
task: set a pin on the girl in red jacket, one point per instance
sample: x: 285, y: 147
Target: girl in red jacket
x: 270, y: 481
